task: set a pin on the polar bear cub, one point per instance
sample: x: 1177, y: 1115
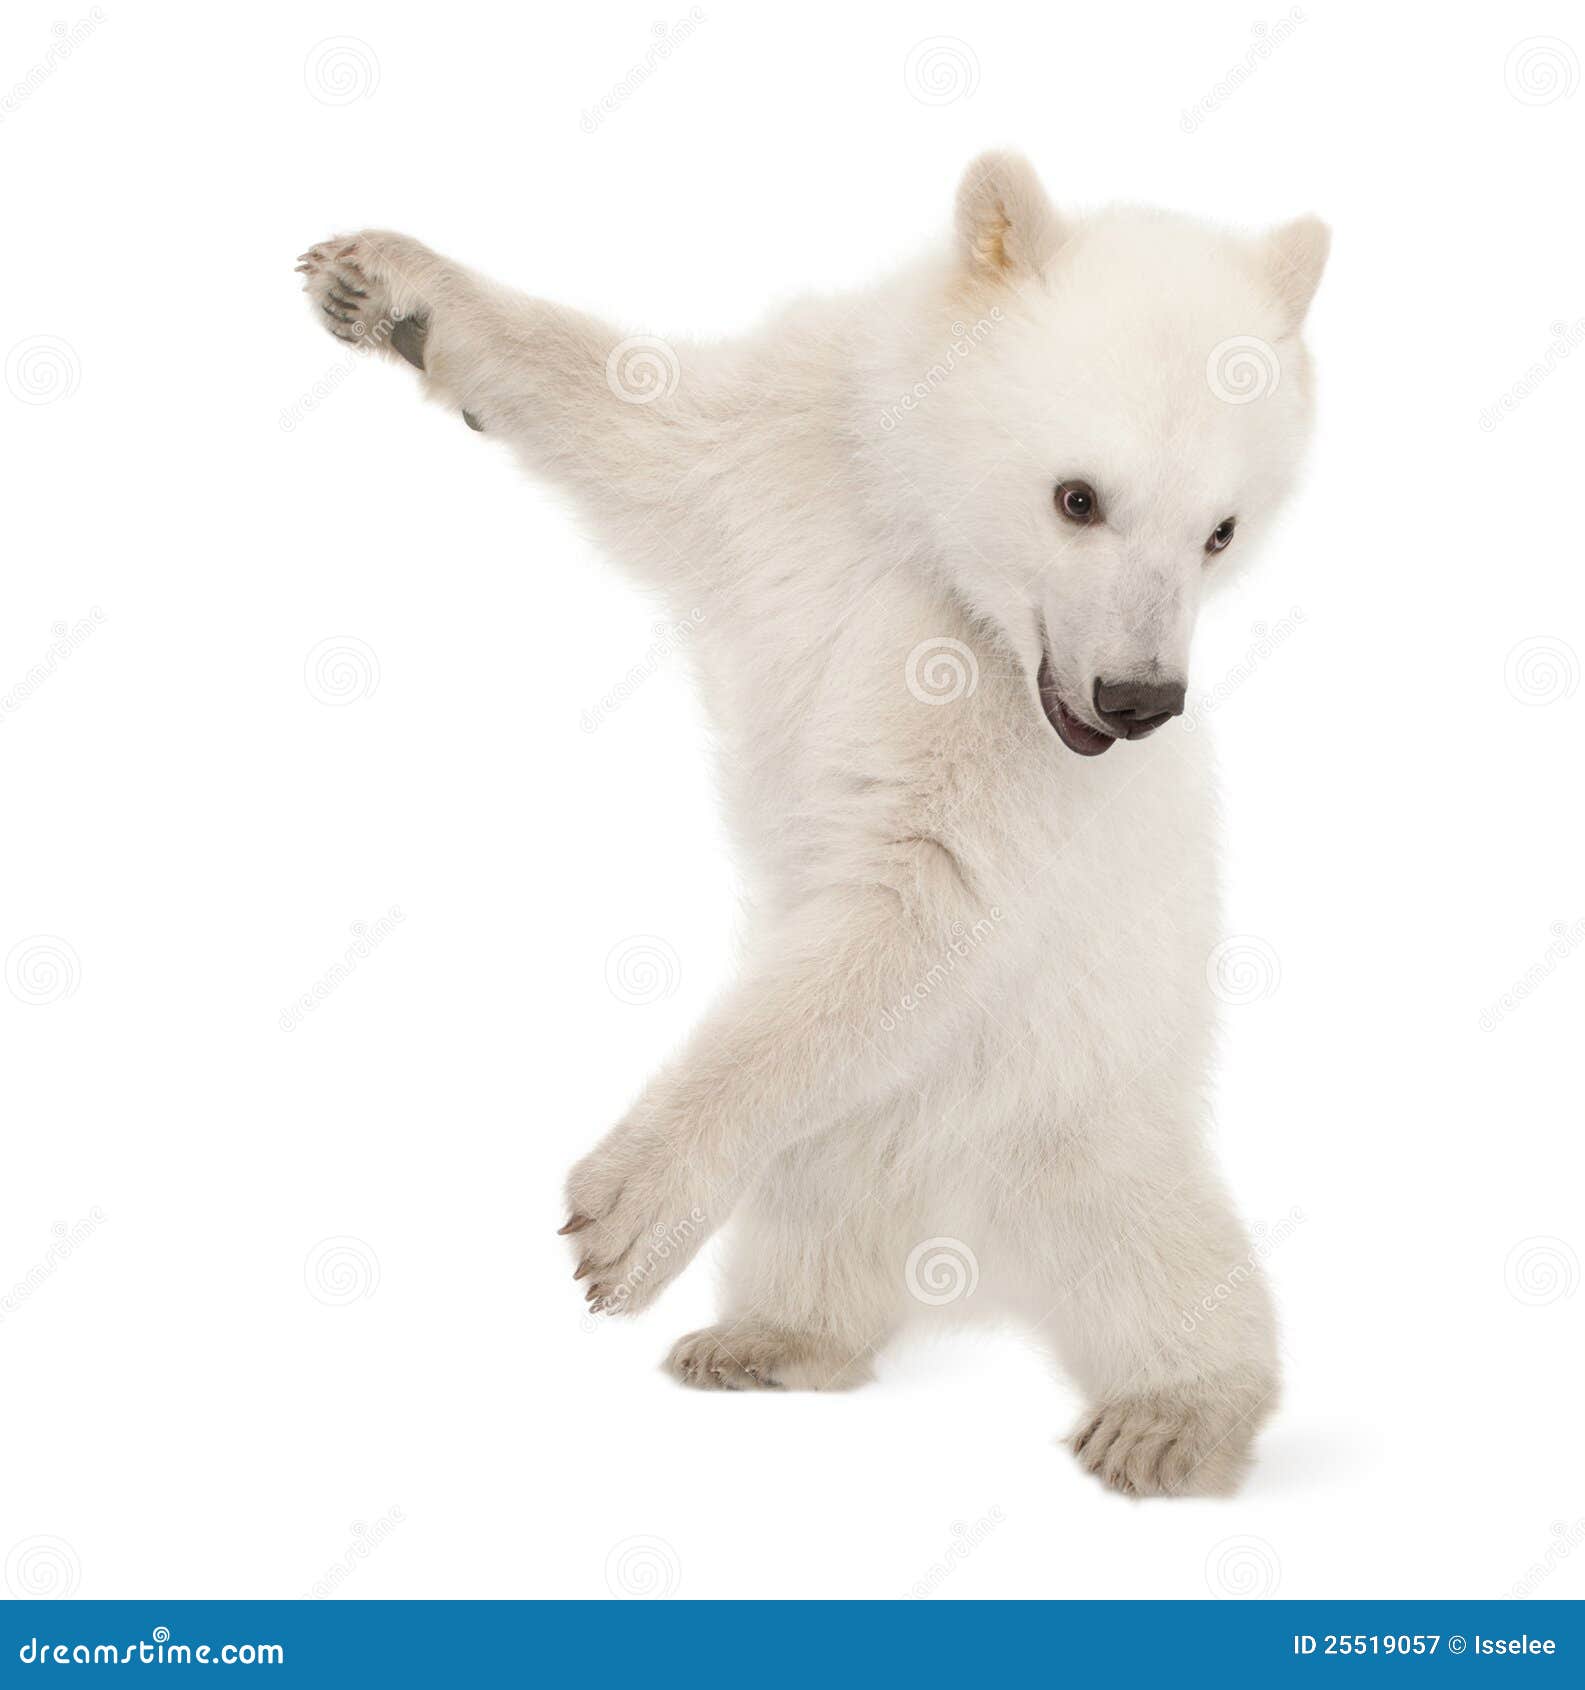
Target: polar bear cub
x: 941, y: 544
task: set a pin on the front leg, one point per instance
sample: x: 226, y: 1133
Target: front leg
x: 802, y: 1043
x: 550, y: 381
x: 1154, y: 1297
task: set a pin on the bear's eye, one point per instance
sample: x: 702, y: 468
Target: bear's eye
x: 1077, y: 501
x: 1221, y: 536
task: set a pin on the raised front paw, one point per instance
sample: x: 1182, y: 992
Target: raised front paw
x: 640, y: 1209
x: 369, y: 290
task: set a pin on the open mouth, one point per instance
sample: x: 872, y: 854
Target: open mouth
x: 1075, y: 733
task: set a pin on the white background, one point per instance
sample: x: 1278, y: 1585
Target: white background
x: 191, y: 832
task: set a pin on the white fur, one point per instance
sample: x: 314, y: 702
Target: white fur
x: 974, y: 1006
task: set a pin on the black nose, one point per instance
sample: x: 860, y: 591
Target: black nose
x: 1135, y: 708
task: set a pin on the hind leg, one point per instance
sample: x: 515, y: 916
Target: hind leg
x: 814, y: 1283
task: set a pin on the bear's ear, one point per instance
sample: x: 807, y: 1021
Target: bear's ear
x: 1294, y: 255
x: 1007, y: 228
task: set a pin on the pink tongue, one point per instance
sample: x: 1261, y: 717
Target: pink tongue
x: 1076, y: 735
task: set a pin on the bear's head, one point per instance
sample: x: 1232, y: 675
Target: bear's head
x: 1113, y: 409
